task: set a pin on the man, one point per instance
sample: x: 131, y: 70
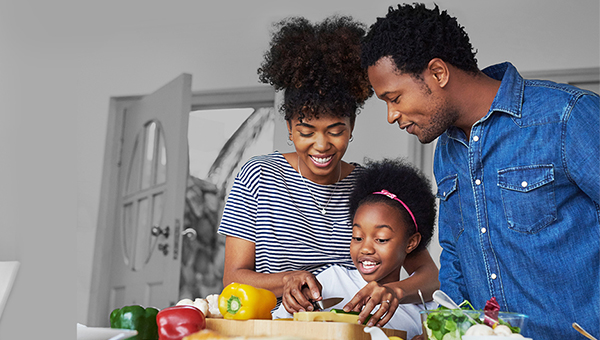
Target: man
x: 516, y: 165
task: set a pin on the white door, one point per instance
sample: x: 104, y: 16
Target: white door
x: 149, y: 201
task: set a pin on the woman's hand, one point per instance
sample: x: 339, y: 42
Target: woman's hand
x: 369, y: 296
x: 299, y: 287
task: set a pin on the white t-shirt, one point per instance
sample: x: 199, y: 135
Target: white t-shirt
x: 342, y: 282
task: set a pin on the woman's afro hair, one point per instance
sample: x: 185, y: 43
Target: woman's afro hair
x: 318, y: 66
x: 408, y: 184
x: 413, y: 35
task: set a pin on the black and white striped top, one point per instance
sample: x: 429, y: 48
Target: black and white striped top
x: 270, y: 206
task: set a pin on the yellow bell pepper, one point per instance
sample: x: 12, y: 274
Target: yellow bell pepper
x: 242, y: 302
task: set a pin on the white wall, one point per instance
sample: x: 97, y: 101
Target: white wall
x: 60, y: 62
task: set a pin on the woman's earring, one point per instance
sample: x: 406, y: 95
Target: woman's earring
x: 351, y: 139
x: 289, y: 142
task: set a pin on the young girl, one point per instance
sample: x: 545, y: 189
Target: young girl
x: 393, y: 211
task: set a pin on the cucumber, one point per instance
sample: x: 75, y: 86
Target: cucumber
x: 341, y: 311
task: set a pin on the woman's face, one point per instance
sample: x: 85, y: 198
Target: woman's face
x: 379, y: 242
x: 320, y: 144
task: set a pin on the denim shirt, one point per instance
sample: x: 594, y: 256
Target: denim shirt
x: 519, y: 214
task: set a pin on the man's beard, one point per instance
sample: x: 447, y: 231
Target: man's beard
x: 443, y: 118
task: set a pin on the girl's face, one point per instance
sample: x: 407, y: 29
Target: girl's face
x: 320, y: 144
x: 379, y: 243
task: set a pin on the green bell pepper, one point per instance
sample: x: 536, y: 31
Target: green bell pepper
x: 136, y: 317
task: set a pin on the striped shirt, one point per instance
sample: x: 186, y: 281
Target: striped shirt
x: 269, y: 204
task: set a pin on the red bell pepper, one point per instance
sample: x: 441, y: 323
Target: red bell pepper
x: 176, y: 322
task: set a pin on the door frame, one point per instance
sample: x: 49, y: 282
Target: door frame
x: 255, y: 96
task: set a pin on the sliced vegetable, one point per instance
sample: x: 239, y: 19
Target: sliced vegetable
x: 242, y: 302
x: 136, y: 317
x: 341, y: 311
x: 176, y: 322
x: 326, y: 316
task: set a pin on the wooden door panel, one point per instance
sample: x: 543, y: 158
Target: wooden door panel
x: 150, y: 199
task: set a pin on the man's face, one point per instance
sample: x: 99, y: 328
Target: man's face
x: 411, y: 102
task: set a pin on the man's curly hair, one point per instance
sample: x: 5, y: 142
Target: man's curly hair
x: 412, y: 36
x: 318, y: 66
x: 408, y: 184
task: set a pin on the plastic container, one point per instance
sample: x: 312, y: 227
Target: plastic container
x: 432, y: 319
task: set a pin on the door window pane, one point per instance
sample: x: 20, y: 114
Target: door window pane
x: 133, y: 175
x: 161, y: 166
x: 142, y: 234
x: 149, y: 153
x: 157, y: 211
x: 128, y: 232
x: 143, y: 201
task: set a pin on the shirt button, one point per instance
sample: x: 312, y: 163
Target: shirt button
x: 483, y: 230
x: 493, y: 276
x: 524, y: 184
x: 475, y: 138
x: 477, y: 181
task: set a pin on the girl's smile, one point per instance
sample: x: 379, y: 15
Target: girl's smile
x: 368, y: 266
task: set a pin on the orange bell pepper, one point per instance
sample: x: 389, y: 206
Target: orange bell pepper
x: 242, y: 302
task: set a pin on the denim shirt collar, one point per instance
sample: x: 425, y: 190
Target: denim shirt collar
x: 509, y: 98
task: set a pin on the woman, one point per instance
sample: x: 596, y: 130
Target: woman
x: 286, y: 218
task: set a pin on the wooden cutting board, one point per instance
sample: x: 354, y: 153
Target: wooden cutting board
x: 302, y: 329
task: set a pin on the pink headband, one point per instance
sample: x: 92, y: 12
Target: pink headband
x: 394, y: 197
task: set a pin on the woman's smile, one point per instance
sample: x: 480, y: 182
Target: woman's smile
x: 321, y: 161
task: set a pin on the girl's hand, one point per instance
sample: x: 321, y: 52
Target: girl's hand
x: 368, y: 297
x: 299, y: 287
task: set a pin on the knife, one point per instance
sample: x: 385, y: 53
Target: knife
x: 326, y: 303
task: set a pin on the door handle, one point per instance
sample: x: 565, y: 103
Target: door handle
x: 190, y: 233
x: 157, y: 231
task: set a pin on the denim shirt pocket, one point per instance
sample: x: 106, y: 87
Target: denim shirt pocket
x: 449, y: 197
x: 528, y: 197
